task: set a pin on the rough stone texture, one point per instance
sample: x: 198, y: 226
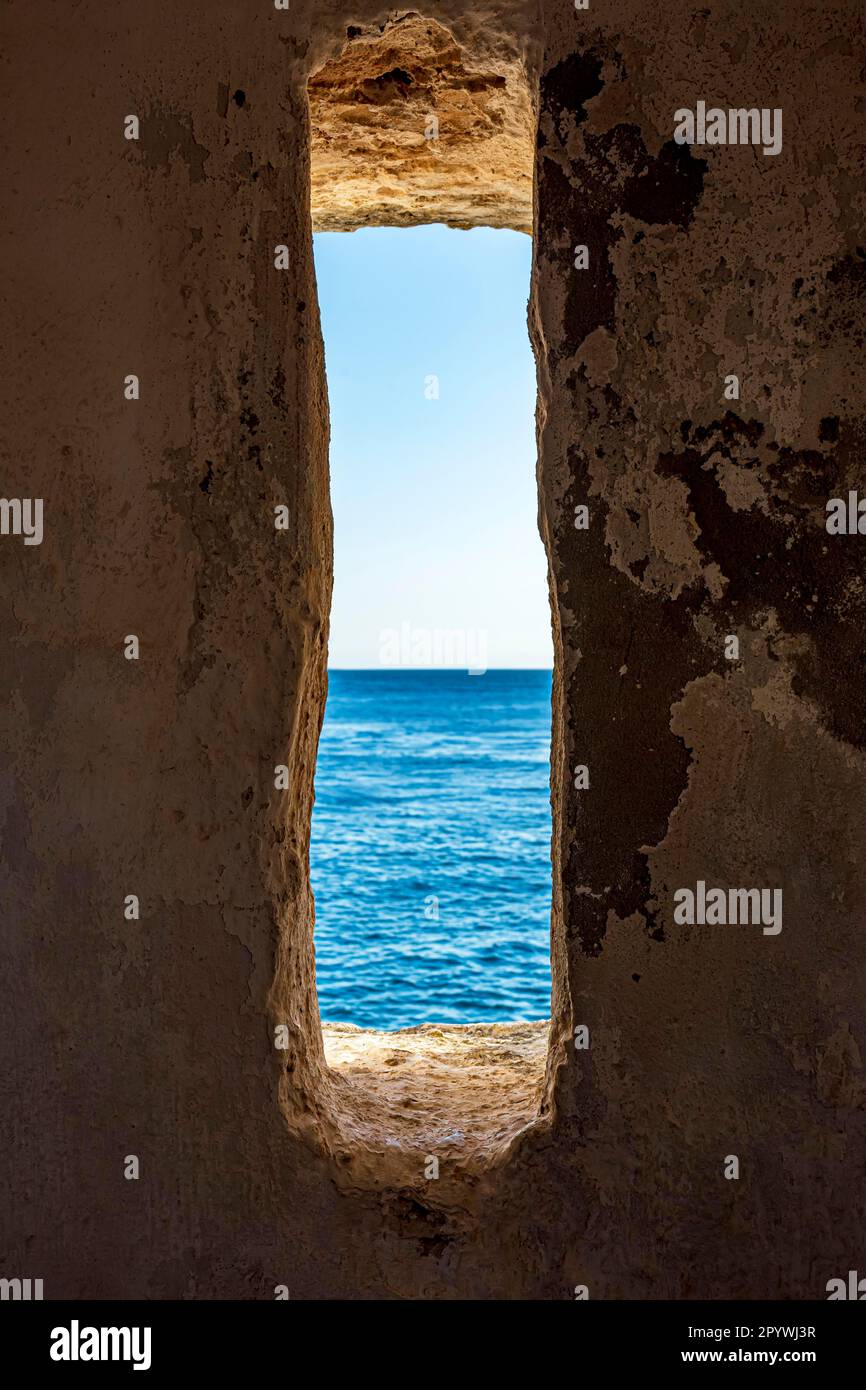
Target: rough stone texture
x: 378, y: 157
x: 156, y: 777
x: 457, y: 1093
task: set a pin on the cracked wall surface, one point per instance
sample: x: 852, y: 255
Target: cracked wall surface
x: 706, y: 519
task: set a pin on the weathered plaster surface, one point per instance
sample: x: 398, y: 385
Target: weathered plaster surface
x: 156, y: 778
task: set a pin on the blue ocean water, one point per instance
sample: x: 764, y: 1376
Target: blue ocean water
x: 430, y: 853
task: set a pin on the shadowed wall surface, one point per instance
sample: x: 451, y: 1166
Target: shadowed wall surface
x: 156, y: 777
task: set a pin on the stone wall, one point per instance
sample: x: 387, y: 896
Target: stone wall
x: 155, y: 777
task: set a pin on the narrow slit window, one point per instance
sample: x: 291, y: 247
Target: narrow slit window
x: 430, y: 846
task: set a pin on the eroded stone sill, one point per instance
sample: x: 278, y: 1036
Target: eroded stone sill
x: 459, y: 1094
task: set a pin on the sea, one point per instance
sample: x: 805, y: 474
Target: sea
x: 430, y: 852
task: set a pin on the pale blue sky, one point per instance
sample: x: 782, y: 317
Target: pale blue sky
x: 434, y: 499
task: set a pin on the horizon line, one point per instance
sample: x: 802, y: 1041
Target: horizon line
x: 427, y: 670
